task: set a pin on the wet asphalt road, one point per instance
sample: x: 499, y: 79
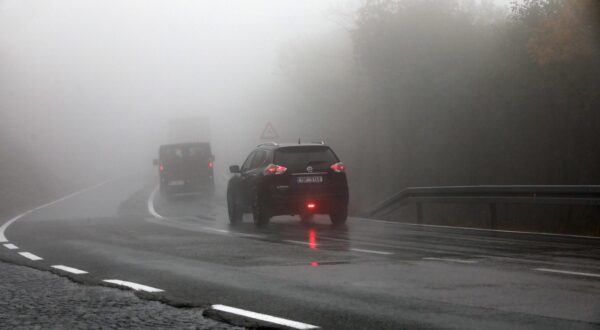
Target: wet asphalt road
x: 367, y: 275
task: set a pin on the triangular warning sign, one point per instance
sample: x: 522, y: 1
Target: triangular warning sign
x: 269, y: 133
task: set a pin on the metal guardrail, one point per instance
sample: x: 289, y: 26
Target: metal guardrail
x: 492, y: 195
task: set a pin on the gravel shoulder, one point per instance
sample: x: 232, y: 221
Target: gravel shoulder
x: 33, y: 299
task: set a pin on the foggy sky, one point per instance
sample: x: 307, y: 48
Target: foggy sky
x: 87, y: 87
x: 93, y: 83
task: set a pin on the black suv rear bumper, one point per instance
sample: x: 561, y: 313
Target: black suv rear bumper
x: 283, y: 204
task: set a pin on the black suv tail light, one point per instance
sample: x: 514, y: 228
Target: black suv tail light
x: 338, y: 167
x: 273, y: 169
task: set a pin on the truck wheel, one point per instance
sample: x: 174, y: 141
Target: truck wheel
x: 234, y: 210
x: 339, y: 215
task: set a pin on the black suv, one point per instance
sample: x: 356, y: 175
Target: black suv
x: 280, y: 179
x: 185, y: 167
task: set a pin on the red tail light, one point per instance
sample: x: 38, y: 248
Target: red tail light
x: 161, y: 167
x: 338, y: 167
x: 274, y: 169
x: 311, y: 205
x: 210, y: 164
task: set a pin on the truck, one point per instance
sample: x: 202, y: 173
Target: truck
x: 185, y: 163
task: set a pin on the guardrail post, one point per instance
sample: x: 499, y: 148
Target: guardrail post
x: 494, y: 216
x: 419, y: 213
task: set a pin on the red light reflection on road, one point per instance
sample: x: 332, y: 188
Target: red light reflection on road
x: 312, y: 239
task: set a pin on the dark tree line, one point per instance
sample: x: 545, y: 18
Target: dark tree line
x: 428, y: 92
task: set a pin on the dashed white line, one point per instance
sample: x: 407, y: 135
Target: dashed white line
x: 460, y: 261
x: 134, y: 286
x: 30, y: 256
x: 3, y: 228
x: 10, y: 246
x: 371, y: 251
x: 558, y: 271
x: 70, y: 269
x: 264, y: 317
x: 151, y: 208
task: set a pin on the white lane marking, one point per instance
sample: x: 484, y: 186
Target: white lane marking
x: 460, y: 261
x: 134, y: 286
x: 151, y: 208
x: 70, y: 269
x: 217, y: 230
x: 399, y: 247
x: 250, y: 235
x: 11, y: 246
x: 264, y: 317
x: 299, y: 242
x: 558, y: 271
x: 3, y: 228
x: 475, y: 229
x: 371, y: 251
x: 30, y: 256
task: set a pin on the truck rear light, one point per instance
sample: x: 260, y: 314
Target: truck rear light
x: 274, y: 169
x: 338, y: 167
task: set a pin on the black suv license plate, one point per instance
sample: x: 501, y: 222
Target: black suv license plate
x: 310, y: 179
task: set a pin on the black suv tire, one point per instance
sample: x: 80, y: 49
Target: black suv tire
x: 339, y: 215
x: 234, y: 210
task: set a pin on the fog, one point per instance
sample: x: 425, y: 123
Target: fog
x: 407, y: 92
x: 88, y: 87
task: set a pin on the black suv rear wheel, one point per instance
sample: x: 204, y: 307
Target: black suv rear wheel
x: 339, y: 215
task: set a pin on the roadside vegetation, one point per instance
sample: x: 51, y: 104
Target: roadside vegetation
x: 456, y: 93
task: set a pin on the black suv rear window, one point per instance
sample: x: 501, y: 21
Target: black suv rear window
x: 301, y: 157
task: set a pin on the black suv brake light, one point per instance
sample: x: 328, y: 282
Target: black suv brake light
x: 273, y: 169
x: 338, y: 167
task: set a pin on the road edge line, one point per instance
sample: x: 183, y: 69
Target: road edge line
x: 566, y: 272
x: 150, y: 204
x: 473, y: 228
x: 5, y: 226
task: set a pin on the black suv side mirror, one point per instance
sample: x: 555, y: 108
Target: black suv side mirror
x: 155, y: 162
x: 234, y: 169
